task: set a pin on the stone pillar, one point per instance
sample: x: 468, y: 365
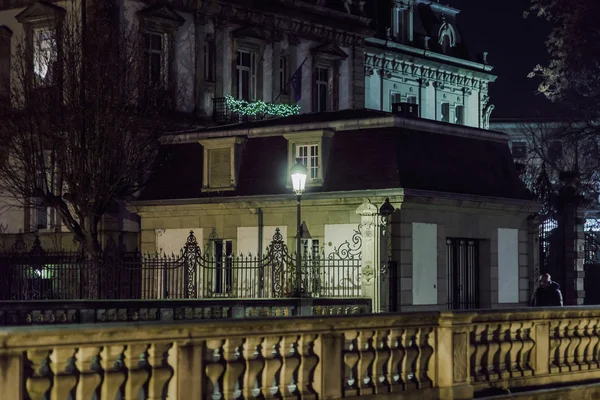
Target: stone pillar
x: 200, y: 31
x: 385, y: 254
x: 574, y: 239
x: 276, y: 87
x: 370, y: 271
x: 224, y: 53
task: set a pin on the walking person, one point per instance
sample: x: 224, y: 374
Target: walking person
x: 548, y: 293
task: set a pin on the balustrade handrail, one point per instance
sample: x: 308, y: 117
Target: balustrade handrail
x: 434, y: 354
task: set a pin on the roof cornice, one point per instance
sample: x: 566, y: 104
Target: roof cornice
x: 425, y: 55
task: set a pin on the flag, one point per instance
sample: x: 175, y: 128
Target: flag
x: 296, y: 83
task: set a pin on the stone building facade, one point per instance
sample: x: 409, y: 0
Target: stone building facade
x: 459, y: 236
x: 418, y: 56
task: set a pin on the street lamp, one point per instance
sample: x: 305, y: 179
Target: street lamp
x: 298, y: 173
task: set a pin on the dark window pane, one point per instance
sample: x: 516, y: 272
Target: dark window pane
x: 156, y: 42
x: 155, y: 67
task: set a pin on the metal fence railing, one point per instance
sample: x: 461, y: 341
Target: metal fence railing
x: 38, y: 274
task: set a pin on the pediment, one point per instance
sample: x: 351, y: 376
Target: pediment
x: 330, y: 49
x: 163, y: 13
x: 253, y: 32
x: 40, y: 10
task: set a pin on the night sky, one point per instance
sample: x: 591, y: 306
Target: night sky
x: 515, y: 45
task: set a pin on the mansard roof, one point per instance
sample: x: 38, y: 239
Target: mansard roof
x: 359, y: 159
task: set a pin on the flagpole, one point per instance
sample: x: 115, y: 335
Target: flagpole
x: 289, y: 81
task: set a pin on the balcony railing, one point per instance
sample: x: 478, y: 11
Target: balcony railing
x: 424, y: 355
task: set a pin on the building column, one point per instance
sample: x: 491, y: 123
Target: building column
x: 200, y: 31
x: 276, y: 86
x: 574, y: 237
x: 370, y: 258
x: 224, y: 55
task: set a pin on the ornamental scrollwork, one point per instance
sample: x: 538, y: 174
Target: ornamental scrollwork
x: 349, y: 250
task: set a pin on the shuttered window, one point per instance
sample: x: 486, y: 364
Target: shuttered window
x: 219, y: 168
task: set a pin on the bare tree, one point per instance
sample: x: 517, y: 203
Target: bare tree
x: 85, y: 120
x: 563, y: 157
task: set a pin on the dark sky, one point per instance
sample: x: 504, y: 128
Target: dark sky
x: 515, y: 45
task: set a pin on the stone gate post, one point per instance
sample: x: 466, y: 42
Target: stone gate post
x: 370, y: 258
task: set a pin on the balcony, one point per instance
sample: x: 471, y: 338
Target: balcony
x: 414, y: 355
x: 228, y: 110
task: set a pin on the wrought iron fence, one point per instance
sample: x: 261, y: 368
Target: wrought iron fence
x: 38, y: 274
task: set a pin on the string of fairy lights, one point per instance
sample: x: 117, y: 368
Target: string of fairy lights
x: 243, y: 107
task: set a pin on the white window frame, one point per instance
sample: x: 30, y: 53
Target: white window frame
x: 412, y: 96
x: 164, y: 56
x: 306, y: 139
x: 324, y: 85
x: 309, y: 154
x: 252, y: 70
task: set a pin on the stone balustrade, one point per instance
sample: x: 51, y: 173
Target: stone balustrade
x: 426, y: 355
x: 61, y: 312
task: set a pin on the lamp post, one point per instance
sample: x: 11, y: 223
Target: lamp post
x: 298, y: 173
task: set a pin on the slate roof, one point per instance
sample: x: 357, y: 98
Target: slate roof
x: 358, y: 160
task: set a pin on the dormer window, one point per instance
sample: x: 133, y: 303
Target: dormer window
x: 311, y: 148
x: 220, y: 163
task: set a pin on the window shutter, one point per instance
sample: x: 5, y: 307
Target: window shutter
x: 220, y: 168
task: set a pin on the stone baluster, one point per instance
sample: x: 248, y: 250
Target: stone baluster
x: 382, y: 356
x: 328, y: 374
x: 505, y: 342
x: 89, y: 377
x: 366, y: 356
x: 114, y: 375
x: 397, y: 355
x: 291, y: 361
x: 214, y: 367
x: 161, y: 370
x: 593, y: 346
x: 555, y: 341
x: 516, y: 347
x: 571, y: 350
x: 525, y: 356
x: 273, y: 363
x: 38, y: 383
x: 136, y: 374
x: 408, y: 364
x: 479, y: 348
x: 254, y: 364
x: 234, y: 366
x: 309, y: 362
x: 425, y: 358
x: 351, y: 356
x: 565, y: 341
x: 493, y: 348
x: 581, y: 356
x: 64, y: 372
